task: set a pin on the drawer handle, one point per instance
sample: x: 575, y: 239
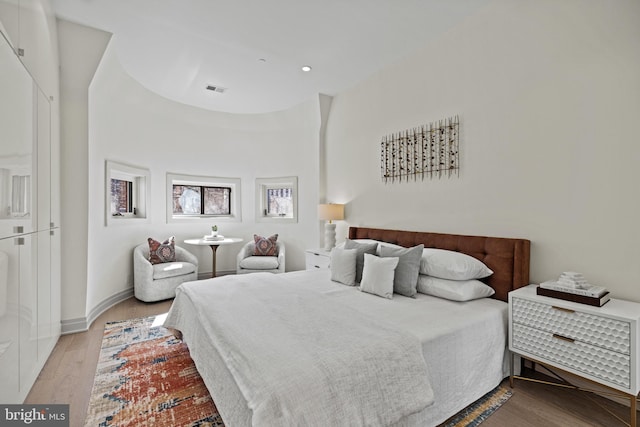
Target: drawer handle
x: 560, y: 337
x: 566, y: 310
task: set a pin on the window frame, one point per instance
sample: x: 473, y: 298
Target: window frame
x: 140, y: 179
x: 204, y: 181
x: 264, y: 184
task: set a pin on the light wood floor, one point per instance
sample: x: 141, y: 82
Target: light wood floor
x: 68, y: 378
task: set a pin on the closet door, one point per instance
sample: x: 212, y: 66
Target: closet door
x: 45, y: 327
x: 9, y: 320
x: 43, y: 137
x: 17, y: 141
x: 28, y: 245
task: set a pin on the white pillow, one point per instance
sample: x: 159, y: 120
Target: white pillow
x: 343, y: 265
x: 452, y: 265
x: 378, y: 274
x: 455, y: 290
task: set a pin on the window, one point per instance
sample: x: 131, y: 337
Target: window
x: 201, y: 200
x: 121, y: 197
x: 126, y: 192
x: 277, y: 199
x: 192, y: 197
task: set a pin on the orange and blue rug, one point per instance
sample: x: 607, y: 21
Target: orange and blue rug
x: 145, y: 377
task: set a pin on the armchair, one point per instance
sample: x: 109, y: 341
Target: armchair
x: 155, y: 282
x: 246, y: 262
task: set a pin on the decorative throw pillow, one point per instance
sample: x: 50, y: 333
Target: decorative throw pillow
x: 162, y: 252
x: 265, y: 246
x: 406, y: 276
x: 455, y: 290
x: 363, y: 248
x: 343, y: 266
x: 452, y: 265
x: 377, y: 275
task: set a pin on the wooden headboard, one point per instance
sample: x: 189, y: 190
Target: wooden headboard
x: 508, y: 258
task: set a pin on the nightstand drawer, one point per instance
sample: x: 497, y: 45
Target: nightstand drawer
x: 317, y: 259
x: 600, y: 331
x: 609, y: 366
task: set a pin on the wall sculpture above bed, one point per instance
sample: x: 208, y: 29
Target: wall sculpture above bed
x: 507, y: 257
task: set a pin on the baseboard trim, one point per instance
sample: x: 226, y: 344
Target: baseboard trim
x: 82, y: 324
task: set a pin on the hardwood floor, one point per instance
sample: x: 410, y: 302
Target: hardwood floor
x: 67, y: 377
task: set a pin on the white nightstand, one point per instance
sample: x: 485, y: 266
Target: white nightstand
x: 317, y: 258
x: 600, y: 344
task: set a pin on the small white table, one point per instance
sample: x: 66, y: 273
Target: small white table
x: 213, y: 244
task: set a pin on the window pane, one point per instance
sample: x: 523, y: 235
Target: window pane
x: 186, y: 200
x: 280, y: 202
x: 121, y: 196
x: 217, y: 201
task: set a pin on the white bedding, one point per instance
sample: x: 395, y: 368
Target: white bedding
x: 464, y: 344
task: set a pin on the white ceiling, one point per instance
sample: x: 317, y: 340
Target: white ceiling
x: 256, y: 48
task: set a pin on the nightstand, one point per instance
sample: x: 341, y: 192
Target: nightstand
x: 599, y: 344
x: 317, y: 258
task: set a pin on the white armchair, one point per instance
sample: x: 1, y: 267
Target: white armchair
x: 246, y: 262
x: 155, y: 282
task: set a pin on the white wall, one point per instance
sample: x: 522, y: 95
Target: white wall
x: 132, y: 125
x: 548, y: 94
x: 80, y: 51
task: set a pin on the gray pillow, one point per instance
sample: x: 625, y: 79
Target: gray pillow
x: 343, y: 266
x: 363, y: 248
x: 406, y: 278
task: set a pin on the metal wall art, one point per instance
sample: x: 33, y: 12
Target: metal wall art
x: 428, y: 151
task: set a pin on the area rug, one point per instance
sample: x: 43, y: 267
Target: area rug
x: 145, y: 377
x: 481, y: 409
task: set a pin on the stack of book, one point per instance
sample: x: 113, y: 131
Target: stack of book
x: 211, y: 238
x: 572, y: 286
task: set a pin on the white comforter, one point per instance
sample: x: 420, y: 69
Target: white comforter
x: 302, y: 358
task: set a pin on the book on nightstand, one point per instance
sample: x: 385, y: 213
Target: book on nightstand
x: 567, y: 296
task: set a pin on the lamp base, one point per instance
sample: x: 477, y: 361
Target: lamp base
x: 329, y: 236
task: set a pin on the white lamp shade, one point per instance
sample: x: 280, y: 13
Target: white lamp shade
x: 331, y: 211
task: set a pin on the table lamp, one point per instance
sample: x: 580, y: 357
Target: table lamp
x: 330, y: 212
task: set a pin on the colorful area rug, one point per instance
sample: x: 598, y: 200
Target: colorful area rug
x: 481, y: 409
x: 145, y: 377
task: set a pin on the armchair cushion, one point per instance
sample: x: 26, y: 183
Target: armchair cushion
x: 162, y: 252
x: 172, y: 269
x: 265, y: 246
x: 260, y: 263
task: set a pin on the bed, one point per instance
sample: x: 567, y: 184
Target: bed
x: 402, y: 362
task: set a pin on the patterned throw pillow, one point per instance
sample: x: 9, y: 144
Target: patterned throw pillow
x: 265, y: 246
x: 162, y: 252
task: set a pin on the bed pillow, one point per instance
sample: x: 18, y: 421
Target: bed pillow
x: 377, y: 275
x: 452, y: 265
x: 406, y: 274
x: 455, y: 290
x: 363, y: 248
x: 265, y: 246
x: 343, y: 266
x: 161, y: 252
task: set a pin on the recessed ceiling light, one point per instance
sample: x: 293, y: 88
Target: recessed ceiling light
x: 306, y: 68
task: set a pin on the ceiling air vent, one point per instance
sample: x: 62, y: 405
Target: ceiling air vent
x: 218, y: 89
